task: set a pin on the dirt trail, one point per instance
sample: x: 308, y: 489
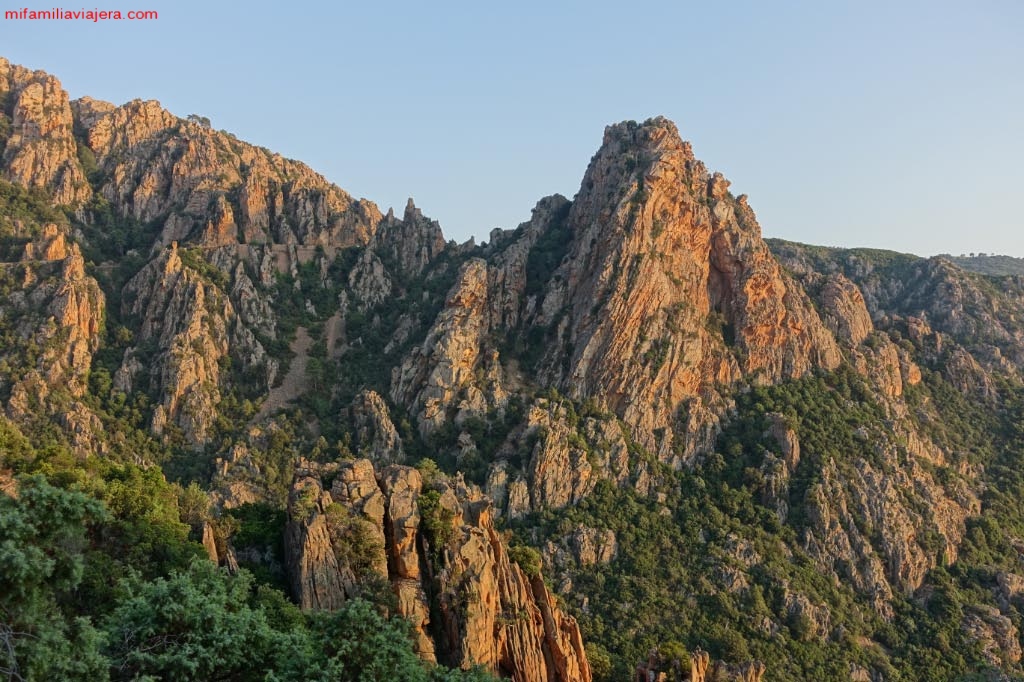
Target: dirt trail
x: 335, y: 331
x: 294, y: 382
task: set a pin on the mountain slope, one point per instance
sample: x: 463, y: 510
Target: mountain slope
x: 749, y: 450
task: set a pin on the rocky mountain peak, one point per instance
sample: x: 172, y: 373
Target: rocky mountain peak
x: 631, y: 376
x: 88, y: 110
x: 408, y: 245
x: 668, y: 289
x: 40, y: 151
x: 653, y: 135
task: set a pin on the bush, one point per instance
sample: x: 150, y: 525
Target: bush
x: 528, y: 559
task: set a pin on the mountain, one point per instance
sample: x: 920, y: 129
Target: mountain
x: 989, y: 264
x: 629, y: 437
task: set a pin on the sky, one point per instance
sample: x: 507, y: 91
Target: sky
x: 893, y: 124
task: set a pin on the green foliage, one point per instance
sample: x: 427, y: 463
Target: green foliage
x: 663, y: 586
x: 674, y: 651
x: 259, y: 541
x: 528, y: 559
x: 354, y: 541
x: 436, y: 522
x: 145, y: 531
x: 5, y: 120
x: 122, y: 239
x: 994, y: 265
x: 32, y: 208
x: 43, y: 539
x: 115, y: 552
x: 489, y: 433
x: 429, y: 472
x: 194, y: 625
x: 199, y: 120
x: 549, y: 251
x: 363, y: 646
x: 600, y: 660
x: 194, y: 259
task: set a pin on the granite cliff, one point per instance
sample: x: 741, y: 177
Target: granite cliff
x: 628, y: 428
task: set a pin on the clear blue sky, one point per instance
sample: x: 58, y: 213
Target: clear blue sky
x: 893, y: 124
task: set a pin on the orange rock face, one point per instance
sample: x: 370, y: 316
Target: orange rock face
x: 41, y: 152
x: 669, y: 290
x: 157, y: 166
x: 490, y: 612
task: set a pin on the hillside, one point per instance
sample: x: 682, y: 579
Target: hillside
x: 627, y: 436
x: 1000, y: 266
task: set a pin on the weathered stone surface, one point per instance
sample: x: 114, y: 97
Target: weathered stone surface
x: 378, y: 440
x: 650, y: 298
x: 789, y: 444
x: 157, y: 166
x: 188, y: 319
x: 532, y: 639
x: 438, y: 377
x: 58, y: 314
x: 237, y: 480
x: 509, y: 300
x: 845, y: 311
x: 491, y: 613
x: 701, y: 669
x: 899, y: 556
x: 402, y: 487
x: 660, y: 249
x: 568, y: 457
x: 210, y: 542
x: 41, y: 152
x: 1011, y: 588
x: 318, y: 579
x: 584, y: 546
x: 964, y: 372
x: 369, y: 280
x: 409, y: 245
x: 997, y: 635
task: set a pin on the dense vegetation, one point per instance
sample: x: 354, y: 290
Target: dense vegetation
x: 984, y: 264
x: 102, y: 575
x: 678, y: 578
x: 101, y: 572
x: 101, y: 578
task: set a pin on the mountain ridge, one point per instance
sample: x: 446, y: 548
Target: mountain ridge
x: 810, y: 438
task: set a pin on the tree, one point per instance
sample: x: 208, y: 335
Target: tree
x: 600, y: 662
x: 361, y: 645
x: 42, y: 539
x: 197, y: 625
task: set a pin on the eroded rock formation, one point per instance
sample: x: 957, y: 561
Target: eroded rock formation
x: 444, y: 552
x: 40, y: 151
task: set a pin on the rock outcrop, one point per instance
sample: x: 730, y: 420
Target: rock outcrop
x: 438, y: 379
x: 377, y: 437
x: 41, y: 151
x: 188, y: 325
x: 699, y: 668
x: 433, y: 538
x: 408, y: 245
x: 607, y: 339
x: 997, y: 635
x: 668, y: 289
x: 846, y: 313
x: 155, y: 166
x: 56, y: 318
x: 907, y: 539
x: 929, y: 299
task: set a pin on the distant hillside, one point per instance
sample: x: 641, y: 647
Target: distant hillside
x: 989, y: 265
